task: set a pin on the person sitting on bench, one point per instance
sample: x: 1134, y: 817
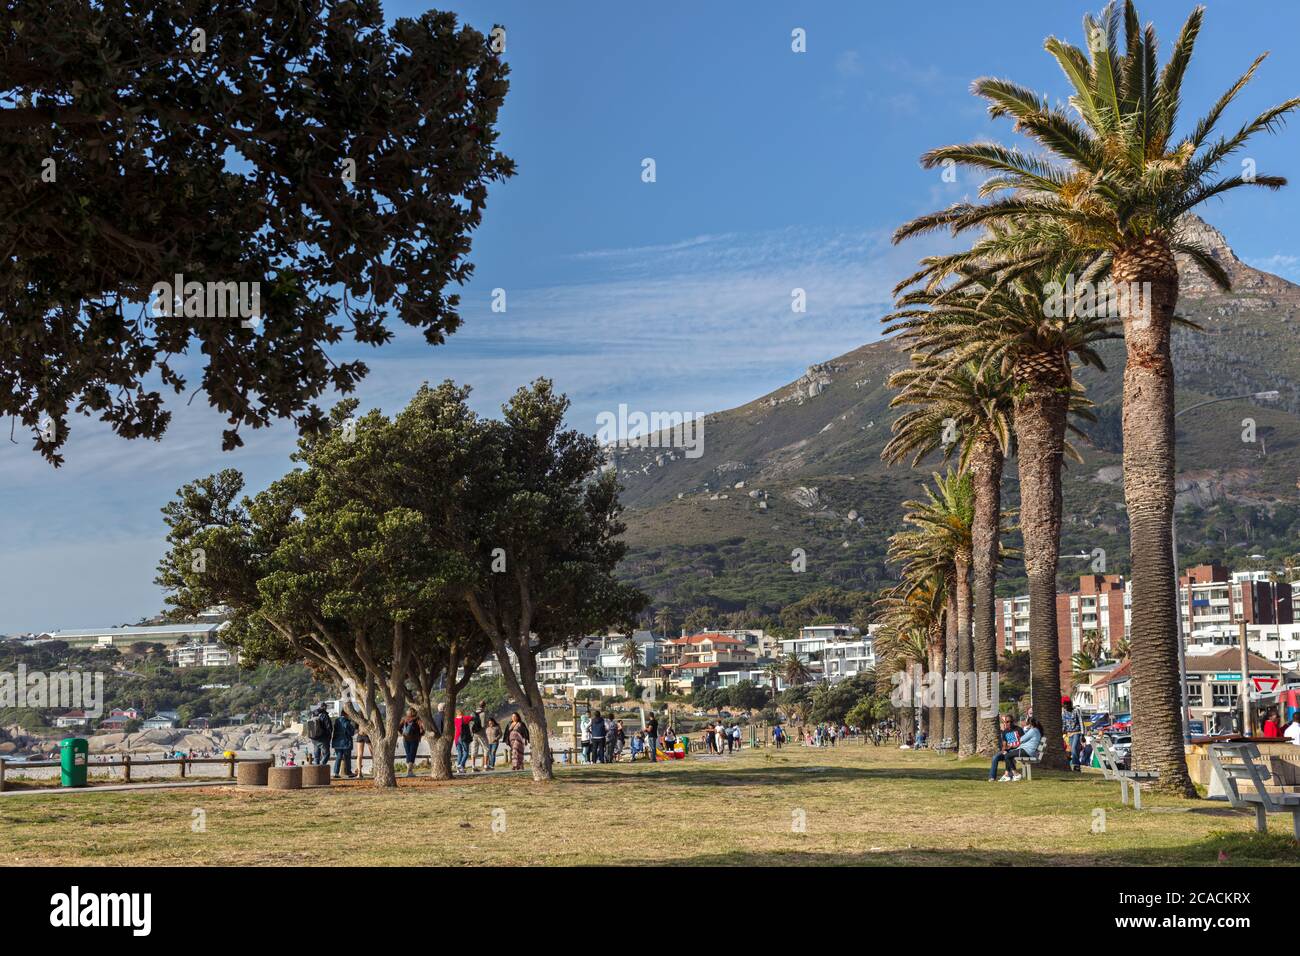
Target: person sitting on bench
x: 1031, y: 738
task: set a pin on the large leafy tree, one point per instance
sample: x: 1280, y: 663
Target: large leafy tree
x: 966, y: 410
x: 540, y: 526
x: 307, y: 577
x: 339, y: 162
x: 1117, y: 179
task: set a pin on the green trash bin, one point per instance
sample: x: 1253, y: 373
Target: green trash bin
x: 73, y: 754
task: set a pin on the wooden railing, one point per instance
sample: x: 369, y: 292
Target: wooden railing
x: 125, y: 763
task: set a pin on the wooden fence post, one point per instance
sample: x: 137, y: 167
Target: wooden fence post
x: 2, y: 774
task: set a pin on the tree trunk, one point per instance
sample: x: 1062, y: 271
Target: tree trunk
x: 384, y: 752
x: 966, y: 700
x: 1148, y: 429
x: 439, y: 755
x: 539, y: 741
x: 950, y: 729
x: 986, y: 474
x: 1041, y: 409
x: 934, y: 722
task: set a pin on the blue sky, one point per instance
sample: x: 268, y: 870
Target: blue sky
x: 775, y: 170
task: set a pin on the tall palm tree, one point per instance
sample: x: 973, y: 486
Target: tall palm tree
x: 966, y: 409
x: 664, y: 619
x: 774, y: 673
x: 912, y: 631
x: 1118, y: 182
x: 940, y: 544
x: 631, y: 655
x: 794, y: 671
x: 1006, y: 326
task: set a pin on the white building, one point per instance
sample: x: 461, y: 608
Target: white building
x: 1273, y: 642
x: 834, y: 651
x: 121, y: 637
x: 202, y: 654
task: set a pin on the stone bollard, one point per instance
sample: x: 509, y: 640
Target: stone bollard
x: 316, y: 775
x: 284, y: 778
x: 252, y: 773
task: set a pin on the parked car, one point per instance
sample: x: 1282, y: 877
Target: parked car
x: 1121, y: 745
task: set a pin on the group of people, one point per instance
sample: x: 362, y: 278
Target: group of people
x: 1015, y: 743
x: 824, y: 735
x: 720, y: 736
x: 1274, y: 728
x: 603, y: 738
x: 476, y: 733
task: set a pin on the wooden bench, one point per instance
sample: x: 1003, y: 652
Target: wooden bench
x: 1233, y: 762
x: 1110, y: 769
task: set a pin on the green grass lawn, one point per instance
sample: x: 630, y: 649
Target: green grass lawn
x: 861, y: 805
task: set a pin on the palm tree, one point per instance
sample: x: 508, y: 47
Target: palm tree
x: 794, y: 671
x: 664, y: 619
x: 631, y: 655
x: 1005, y: 327
x: 773, y: 672
x: 1118, y: 184
x: 939, y: 546
x: 967, y: 409
x: 912, y: 631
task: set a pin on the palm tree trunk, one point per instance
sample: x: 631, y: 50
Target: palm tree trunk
x: 934, y: 713
x: 950, y: 729
x: 965, y: 662
x: 1040, y: 433
x: 1148, y: 430
x: 986, y: 474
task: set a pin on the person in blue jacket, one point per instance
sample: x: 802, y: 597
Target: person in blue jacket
x: 344, y: 731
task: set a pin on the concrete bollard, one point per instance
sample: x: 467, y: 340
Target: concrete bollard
x: 252, y: 773
x: 316, y: 775
x: 284, y: 778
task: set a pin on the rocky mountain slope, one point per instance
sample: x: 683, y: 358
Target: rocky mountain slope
x: 799, y: 470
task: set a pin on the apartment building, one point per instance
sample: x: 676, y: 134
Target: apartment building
x: 202, y: 654
x: 1209, y: 595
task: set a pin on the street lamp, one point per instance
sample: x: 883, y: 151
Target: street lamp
x: 1268, y: 395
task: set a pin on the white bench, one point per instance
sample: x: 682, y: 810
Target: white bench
x: 1233, y: 762
x: 1110, y: 769
x: 944, y: 745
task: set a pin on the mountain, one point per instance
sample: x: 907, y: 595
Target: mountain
x: 800, y: 468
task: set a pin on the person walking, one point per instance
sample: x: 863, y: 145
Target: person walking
x: 492, y: 732
x: 517, y: 738
x: 341, y: 741
x: 319, y: 730
x: 412, y: 732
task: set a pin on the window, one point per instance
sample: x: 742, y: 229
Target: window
x: 1195, y: 695
x: 1224, y: 695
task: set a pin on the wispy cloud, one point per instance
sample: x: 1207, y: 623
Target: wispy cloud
x: 698, y: 324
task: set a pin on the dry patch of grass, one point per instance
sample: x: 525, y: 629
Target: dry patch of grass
x: 853, y: 804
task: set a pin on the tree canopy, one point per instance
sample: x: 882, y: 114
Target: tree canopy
x: 339, y: 163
